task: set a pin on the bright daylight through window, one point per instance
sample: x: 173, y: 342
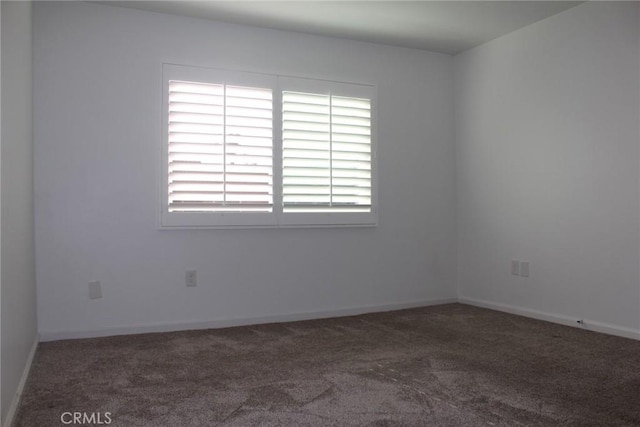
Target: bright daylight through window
x: 326, y: 151
x: 247, y: 150
x: 220, y: 148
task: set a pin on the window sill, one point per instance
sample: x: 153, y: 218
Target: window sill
x: 190, y: 221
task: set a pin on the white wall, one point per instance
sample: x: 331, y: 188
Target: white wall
x: 547, y: 160
x: 17, y: 246
x: 97, y: 151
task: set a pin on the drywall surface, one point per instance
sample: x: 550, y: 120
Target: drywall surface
x: 97, y: 160
x: 547, y: 166
x: 18, y: 288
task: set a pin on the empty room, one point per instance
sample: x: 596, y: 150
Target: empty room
x: 310, y: 213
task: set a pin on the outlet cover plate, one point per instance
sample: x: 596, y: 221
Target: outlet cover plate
x: 191, y: 278
x: 95, y: 290
x: 524, y: 268
x: 515, y: 268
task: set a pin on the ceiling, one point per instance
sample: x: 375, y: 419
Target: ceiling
x: 441, y: 26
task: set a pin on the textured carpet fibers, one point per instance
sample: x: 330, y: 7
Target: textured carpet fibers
x: 448, y: 365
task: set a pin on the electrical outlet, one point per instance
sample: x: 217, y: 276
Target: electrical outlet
x: 191, y: 278
x: 95, y: 290
x: 515, y: 268
x: 524, y: 268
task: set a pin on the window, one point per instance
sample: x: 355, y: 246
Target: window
x: 220, y: 148
x: 326, y: 152
x: 256, y: 150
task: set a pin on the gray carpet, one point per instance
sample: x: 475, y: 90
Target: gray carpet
x: 448, y: 365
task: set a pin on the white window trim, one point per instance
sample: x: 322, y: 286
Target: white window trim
x: 277, y: 218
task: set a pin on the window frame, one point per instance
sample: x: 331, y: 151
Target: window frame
x: 276, y: 218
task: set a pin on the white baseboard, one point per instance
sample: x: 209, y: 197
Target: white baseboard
x: 15, y: 403
x: 604, y: 328
x: 351, y: 311
x: 226, y: 323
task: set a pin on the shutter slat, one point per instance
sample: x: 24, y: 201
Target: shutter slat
x: 247, y: 102
x: 355, y: 117
x: 179, y: 147
x: 293, y: 172
x: 351, y: 200
x: 292, y: 98
x: 249, y: 93
x: 196, y: 99
x: 353, y: 156
x: 351, y: 182
x: 180, y: 206
x: 351, y: 139
x: 197, y: 196
x: 305, y: 198
x: 248, y: 122
x: 196, y: 128
x: 306, y: 163
x: 245, y: 170
x: 307, y: 126
x: 196, y: 158
x: 191, y: 167
x: 351, y: 130
x: 307, y: 189
x: 350, y: 191
x: 308, y: 135
x: 249, y: 151
x: 347, y: 147
x: 191, y: 87
x: 196, y: 177
x: 350, y: 113
x: 301, y: 144
x: 203, y: 177
x: 195, y: 117
x: 350, y: 173
x: 305, y: 117
x: 309, y: 207
x: 195, y: 138
x: 305, y: 153
x: 307, y: 180
x: 350, y: 164
x: 348, y: 102
x: 182, y: 107
x: 250, y: 111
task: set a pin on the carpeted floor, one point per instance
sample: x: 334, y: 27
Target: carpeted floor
x: 448, y: 365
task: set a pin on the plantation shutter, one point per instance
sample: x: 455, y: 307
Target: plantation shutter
x: 326, y: 153
x: 220, y: 148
